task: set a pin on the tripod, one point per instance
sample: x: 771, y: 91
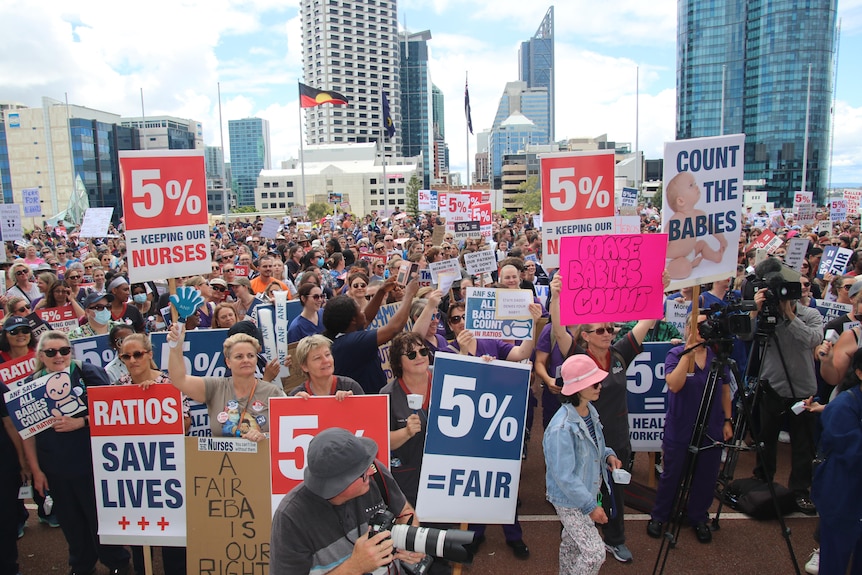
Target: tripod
x: 722, y: 363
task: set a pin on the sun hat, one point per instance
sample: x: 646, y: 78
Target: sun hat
x: 336, y: 458
x: 580, y: 372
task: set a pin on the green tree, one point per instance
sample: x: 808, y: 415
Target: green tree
x: 529, y: 195
x: 413, y: 186
x: 318, y: 210
x: 243, y: 210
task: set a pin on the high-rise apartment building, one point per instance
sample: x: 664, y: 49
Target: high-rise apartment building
x: 217, y: 180
x: 351, y: 47
x: 751, y: 66
x: 249, y: 154
x: 417, y: 131
x: 536, y: 64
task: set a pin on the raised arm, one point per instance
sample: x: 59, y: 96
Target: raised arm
x: 423, y: 322
x: 561, y: 334
x: 192, y: 385
x: 399, y: 320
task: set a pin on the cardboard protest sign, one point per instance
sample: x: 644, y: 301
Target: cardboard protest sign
x: 612, y: 278
x: 767, y: 240
x: 15, y: 370
x: 852, y: 197
x: 480, y: 262
x: 139, y: 464
x: 834, y: 261
x: 34, y: 405
x: 228, y: 510
x: 481, y: 212
x: 806, y: 214
x: 428, y: 200
x: 296, y: 421
x: 471, y: 467
x: 241, y: 271
x: 10, y: 224
x: 61, y: 318
x: 269, y: 228
x: 96, y: 222
x: 675, y: 313
x: 513, y: 303
x: 802, y: 198
x: 577, y: 198
x: 796, y: 250
x: 702, y: 208
x: 97, y: 350
x: 481, y: 318
x: 384, y: 314
x: 628, y: 201
x: 441, y: 266
x: 838, y: 210
x: 832, y: 309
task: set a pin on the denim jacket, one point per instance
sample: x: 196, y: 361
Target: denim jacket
x: 575, y: 465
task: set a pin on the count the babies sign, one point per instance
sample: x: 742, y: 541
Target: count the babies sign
x: 612, y: 278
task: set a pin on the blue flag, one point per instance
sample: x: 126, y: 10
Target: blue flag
x: 388, y: 124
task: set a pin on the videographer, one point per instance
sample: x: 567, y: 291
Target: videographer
x: 322, y: 525
x: 789, y: 350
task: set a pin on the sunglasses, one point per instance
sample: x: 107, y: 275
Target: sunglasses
x: 316, y: 296
x: 359, y: 286
x: 19, y: 331
x: 456, y: 318
x: 368, y: 297
x: 89, y: 267
x: 368, y: 473
x: 411, y: 355
x: 97, y: 307
x: 136, y: 354
x: 847, y: 287
x: 22, y: 273
x: 218, y: 288
x: 22, y: 309
x: 601, y: 330
x: 73, y: 277
x: 64, y: 351
x: 227, y: 271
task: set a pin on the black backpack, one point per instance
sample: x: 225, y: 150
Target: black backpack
x: 752, y: 497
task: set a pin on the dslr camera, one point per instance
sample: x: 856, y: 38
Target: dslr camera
x: 449, y: 544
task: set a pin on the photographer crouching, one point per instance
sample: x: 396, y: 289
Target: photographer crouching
x: 322, y: 525
x: 792, y: 332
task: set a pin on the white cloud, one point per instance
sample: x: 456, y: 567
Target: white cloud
x: 847, y: 148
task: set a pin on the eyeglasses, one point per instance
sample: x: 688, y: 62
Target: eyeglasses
x: 22, y: 273
x: 65, y: 350
x: 436, y: 316
x: 456, y: 318
x: 316, y: 296
x: 23, y: 309
x: 19, y: 331
x: 847, y: 287
x: 411, y: 355
x: 89, y: 267
x: 97, y: 307
x: 227, y: 271
x: 73, y: 277
x: 601, y: 330
x: 368, y: 473
x: 359, y: 286
x: 136, y: 354
x: 218, y: 288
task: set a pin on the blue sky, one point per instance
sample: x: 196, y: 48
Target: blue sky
x: 103, y: 53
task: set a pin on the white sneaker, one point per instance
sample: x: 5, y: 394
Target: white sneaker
x: 813, y: 565
x: 783, y: 437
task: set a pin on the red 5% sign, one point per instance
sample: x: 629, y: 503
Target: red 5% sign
x: 577, y: 186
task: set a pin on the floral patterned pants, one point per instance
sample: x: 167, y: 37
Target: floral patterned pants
x: 582, y: 551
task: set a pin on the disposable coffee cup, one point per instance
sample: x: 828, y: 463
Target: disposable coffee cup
x: 798, y: 407
x: 414, y: 400
x: 621, y: 476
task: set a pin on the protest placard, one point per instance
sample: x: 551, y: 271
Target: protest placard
x: 702, y: 208
x: 241, y: 271
x: 481, y: 212
x: 802, y: 198
x: 627, y: 225
x: 796, y: 250
x: 443, y: 265
x: 513, y: 303
x: 834, y: 261
x: 228, y: 510
x: 852, y: 197
x: 647, y: 397
x: 471, y: 467
x: 32, y: 202
x: 296, y: 421
x: 481, y: 318
x: 34, y: 405
x: 96, y: 222
x: 139, y: 464
x: 577, y: 198
x: 10, y: 223
x: 767, y: 240
x: 384, y: 315
x: 269, y: 228
x: 806, y: 214
x: 628, y: 201
x: 831, y: 309
x: 61, y: 318
x: 480, y: 262
x: 407, y: 270
x: 428, y: 200
x: 165, y: 213
x: 445, y: 280
x: 675, y: 313
x: 16, y: 370
x: 838, y: 210
x: 612, y: 278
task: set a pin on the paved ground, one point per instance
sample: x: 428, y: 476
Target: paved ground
x: 742, y: 546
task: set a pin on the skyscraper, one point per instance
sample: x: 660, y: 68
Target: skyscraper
x: 536, y: 64
x: 744, y: 66
x: 417, y: 134
x: 438, y: 111
x: 351, y: 48
x: 249, y: 154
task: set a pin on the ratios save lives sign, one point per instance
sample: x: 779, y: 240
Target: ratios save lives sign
x: 139, y: 464
x: 165, y: 211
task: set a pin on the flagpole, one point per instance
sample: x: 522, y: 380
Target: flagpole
x: 382, y: 144
x: 225, y: 196
x: 467, y: 135
x: 301, y: 150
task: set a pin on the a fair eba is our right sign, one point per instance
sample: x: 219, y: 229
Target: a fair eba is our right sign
x: 295, y: 421
x: 577, y: 198
x: 165, y: 213
x: 137, y: 437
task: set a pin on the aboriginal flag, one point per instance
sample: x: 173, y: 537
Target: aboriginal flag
x: 309, y: 97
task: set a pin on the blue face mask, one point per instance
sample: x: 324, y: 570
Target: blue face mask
x: 103, y: 316
x: 320, y: 262
x: 140, y: 298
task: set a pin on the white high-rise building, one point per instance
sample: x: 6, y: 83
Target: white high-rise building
x: 351, y: 47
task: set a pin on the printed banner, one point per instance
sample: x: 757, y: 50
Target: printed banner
x: 428, y: 200
x: 34, y: 405
x: 647, y: 397
x: 796, y: 250
x: 480, y: 262
x: 838, y: 210
x: 702, y: 207
x: 10, y: 228
x: 61, y: 318
x: 767, y: 240
x: 139, y: 464
x: 834, y: 261
x: 471, y: 467
x: 612, y: 278
x: 482, y: 318
x: 295, y: 421
x: 15, y: 370
x: 832, y: 309
x: 802, y: 198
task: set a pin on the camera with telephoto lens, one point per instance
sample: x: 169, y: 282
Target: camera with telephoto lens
x: 778, y: 289
x: 724, y: 322
x: 449, y: 544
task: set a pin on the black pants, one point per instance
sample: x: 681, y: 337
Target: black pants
x: 9, y: 520
x: 75, y: 506
x: 772, y: 410
x: 614, y: 531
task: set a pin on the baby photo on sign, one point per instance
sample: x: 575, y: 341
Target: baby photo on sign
x: 702, y: 208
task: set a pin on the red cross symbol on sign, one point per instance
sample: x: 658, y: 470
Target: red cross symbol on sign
x: 143, y: 523
x: 123, y: 523
x: 163, y: 523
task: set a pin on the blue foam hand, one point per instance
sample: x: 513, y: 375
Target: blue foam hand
x: 186, y: 301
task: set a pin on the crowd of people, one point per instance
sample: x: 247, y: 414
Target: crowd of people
x: 342, y: 271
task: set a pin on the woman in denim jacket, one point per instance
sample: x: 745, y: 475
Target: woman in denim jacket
x: 574, y: 454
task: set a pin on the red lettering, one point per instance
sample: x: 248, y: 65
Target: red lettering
x: 164, y: 255
x: 553, y: 247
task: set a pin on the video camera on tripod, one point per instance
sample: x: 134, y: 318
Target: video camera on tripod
x: 781, y: 284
